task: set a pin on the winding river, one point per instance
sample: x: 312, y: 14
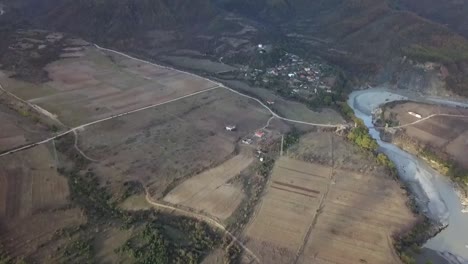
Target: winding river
x: 434, y: 192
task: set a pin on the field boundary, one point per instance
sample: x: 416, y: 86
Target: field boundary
x: 424, y: 119
x: 221, y: 86
x: 209, y: 220
x: 217, y: 85
x: 99, y: 121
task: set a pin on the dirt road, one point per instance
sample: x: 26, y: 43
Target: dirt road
x: 210, y: 221
x: 424, y: 119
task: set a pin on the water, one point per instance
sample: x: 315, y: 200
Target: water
x: 434, y: 192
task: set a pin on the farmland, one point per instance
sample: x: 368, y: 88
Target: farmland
x: 317, y: 211
x: 17, y: 128
x: 210, y: 191
x: 287, y: 210
x: 143, y: 147
x: 33, y: 195
x: 93, y: 85
x: 75, y: 181
x: 178, y: 153
x: 444, y: 134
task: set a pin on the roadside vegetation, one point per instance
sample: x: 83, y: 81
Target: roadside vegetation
x: 253, y: 186
x: 155, y: 237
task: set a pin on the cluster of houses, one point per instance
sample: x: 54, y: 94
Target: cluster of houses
x: 298, y: 76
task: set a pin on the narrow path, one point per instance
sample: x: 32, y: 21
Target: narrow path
x: 217, y: 85
x: 424, y: 119
x: 221, y: 86
x: 79, y: 150
x: 210, y: 221
x: 320, y: 208
x: 99, y: 121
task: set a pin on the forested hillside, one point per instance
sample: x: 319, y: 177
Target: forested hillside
x: 363, y: 37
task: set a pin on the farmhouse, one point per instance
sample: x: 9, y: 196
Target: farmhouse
x: 259, y: 133
x: 415, y: 115
x: 230, y: 127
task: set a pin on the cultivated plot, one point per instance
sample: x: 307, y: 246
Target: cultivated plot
x: 33, y: 201
x: 210, y: 191
x: 181, y: 139
x: 360, y: 215
x: 17, y: 128
x: 445, y: 133
x: 97, y: 85
x: 345, y: 211
x: 287, y: 210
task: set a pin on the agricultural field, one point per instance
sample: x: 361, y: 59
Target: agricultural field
x: 445, y: 133
x: 18, y: 128
x: 322, y: 207
x: 211, y: 191
x: 34, y: 202
x: 160, y: 147
x: 288, y: 108
x: 98, y: 182
x: 287, y: 210
x: 94, y: 84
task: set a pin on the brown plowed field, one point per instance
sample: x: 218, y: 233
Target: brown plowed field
x: 210, y: 192
x: 312, y: 213
x: 15, y: 129
x: 100, y: 84
x: 287, y: 210
x: 448, y: 134
x: 33, y: 201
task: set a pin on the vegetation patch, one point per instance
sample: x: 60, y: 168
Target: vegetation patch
x: 409, y: 243
x: 446, y: 165
x: 155, y: 244
x: 155, y: 237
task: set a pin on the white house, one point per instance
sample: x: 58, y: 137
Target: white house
x: 230, y: 127
x: 415, y: 115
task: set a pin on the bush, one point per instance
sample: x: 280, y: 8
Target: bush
x: 361, y: 137
x: 383, y: 160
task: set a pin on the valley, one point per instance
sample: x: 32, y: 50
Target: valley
x: 221, y: 131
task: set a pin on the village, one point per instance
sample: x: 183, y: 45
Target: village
x: 292, y: 76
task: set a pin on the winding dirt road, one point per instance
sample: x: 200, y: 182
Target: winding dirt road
x: 209, y: 220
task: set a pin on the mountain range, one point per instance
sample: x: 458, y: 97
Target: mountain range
x: 366, y: 38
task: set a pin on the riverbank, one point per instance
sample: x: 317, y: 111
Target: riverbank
x: 434, y: 133
x: 434, y: 194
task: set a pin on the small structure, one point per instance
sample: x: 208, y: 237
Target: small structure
x: 415, y: 115
x: 247, y: 141
x: 230, y: 127
x: 270, y: 102
x: 259, y: 133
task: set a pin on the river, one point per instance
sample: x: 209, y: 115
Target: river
x: 434, y: 192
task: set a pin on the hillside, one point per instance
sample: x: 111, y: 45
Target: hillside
x: 452, y: 13
x: 369, y: 39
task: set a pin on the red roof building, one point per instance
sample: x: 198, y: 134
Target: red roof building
x: 259, y: 134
